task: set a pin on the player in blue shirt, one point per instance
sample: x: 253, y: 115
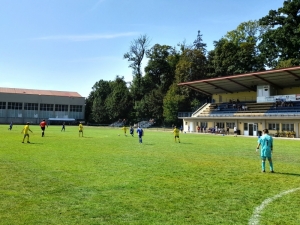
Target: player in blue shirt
x: 131, y: 131
x: 265, y: 142
x: 140, y: 134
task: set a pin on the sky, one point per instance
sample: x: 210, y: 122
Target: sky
x: 69, y: 45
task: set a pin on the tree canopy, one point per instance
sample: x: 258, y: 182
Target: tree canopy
x: 269, y: 42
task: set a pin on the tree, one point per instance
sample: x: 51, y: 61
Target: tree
x: 284, y: 64
x: 246, y: 32
x: 237, y: 52
x: 154, y: 101
x: 136, y: 55
x: 171, y: 104
x: 198, y: 43
x: 118, y: 103
x: 88, y: 107
x: 191, y: 66
x: 161, y: 66
x: 101, y: 90
x: 282, y: 42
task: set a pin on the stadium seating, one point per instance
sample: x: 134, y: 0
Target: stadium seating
x: 252, y: 109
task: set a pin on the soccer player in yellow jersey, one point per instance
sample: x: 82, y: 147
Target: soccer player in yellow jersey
x: 125, y: 130
x: 176, y: 133
x: 80, y: 129
x: 26, y: 133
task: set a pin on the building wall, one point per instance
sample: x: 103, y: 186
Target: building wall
x: 242, y: 96
x: 250, y: 95
x: 34, y: 116
x: 289, y: 91
x: 262, y: 123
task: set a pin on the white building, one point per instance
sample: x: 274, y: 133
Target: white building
x: 26, y: 105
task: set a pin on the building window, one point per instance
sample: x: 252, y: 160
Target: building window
x: 2, y: 105
x: 203, y: 124
x: 287, y: 127
x: 230, y: 125
x: 31, y: 106
x: 273, y: 126
x: 245, y: 126
x: 15, y: 105
x: 220, y: 125
x: 46, y: 107
x: 61, y: 108
x: 75, y: 108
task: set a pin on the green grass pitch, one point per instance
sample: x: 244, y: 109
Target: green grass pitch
x: 103, y: 178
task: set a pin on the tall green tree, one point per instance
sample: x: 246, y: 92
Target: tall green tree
x: 191, y: 66
x: 171, y: 104
x: 282, y: 42
x: 101, y: 90
x: 237, y: 52
x: 154, y: 101
x: 198, y: 43
x: 160, y: 69
x: 246, y: 32
x: 135, y: 56
x: 88, y: 107
x: 118, y: 103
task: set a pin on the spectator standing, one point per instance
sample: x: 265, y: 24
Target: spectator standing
x: 235, y: 131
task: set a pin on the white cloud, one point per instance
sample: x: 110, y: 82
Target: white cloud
x: 88, y: 37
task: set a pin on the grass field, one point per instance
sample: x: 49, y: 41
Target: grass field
x: 103, y: 178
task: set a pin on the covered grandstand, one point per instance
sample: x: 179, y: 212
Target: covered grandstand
x: 251, y: 102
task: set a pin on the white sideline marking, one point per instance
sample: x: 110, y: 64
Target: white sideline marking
x: 254, y: 220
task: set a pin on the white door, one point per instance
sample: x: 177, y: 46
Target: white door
x: 255, y: 129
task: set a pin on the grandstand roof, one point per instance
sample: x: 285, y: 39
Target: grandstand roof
x: 39, y: 92
x: 279, y: 78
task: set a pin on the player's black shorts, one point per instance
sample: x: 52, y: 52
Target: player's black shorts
x: 176, y: 136
x: 43, y: 128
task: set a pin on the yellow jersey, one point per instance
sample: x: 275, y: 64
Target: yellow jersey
x: 80, y: 127
x: 26, y: 129
x: 176, y: 132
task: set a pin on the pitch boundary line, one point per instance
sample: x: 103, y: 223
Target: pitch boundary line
x: 254, y: 220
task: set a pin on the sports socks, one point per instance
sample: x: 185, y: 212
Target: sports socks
x: 271, y: 166
x: 263, y: 165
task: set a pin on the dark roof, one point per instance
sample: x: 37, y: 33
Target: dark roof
x: 279, y: 78
x: 39, y: 92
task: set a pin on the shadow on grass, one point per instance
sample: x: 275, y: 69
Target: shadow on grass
x: 33, y: 143
x: 291, y: 174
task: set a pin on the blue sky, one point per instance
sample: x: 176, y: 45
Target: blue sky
x: 68, y: 45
